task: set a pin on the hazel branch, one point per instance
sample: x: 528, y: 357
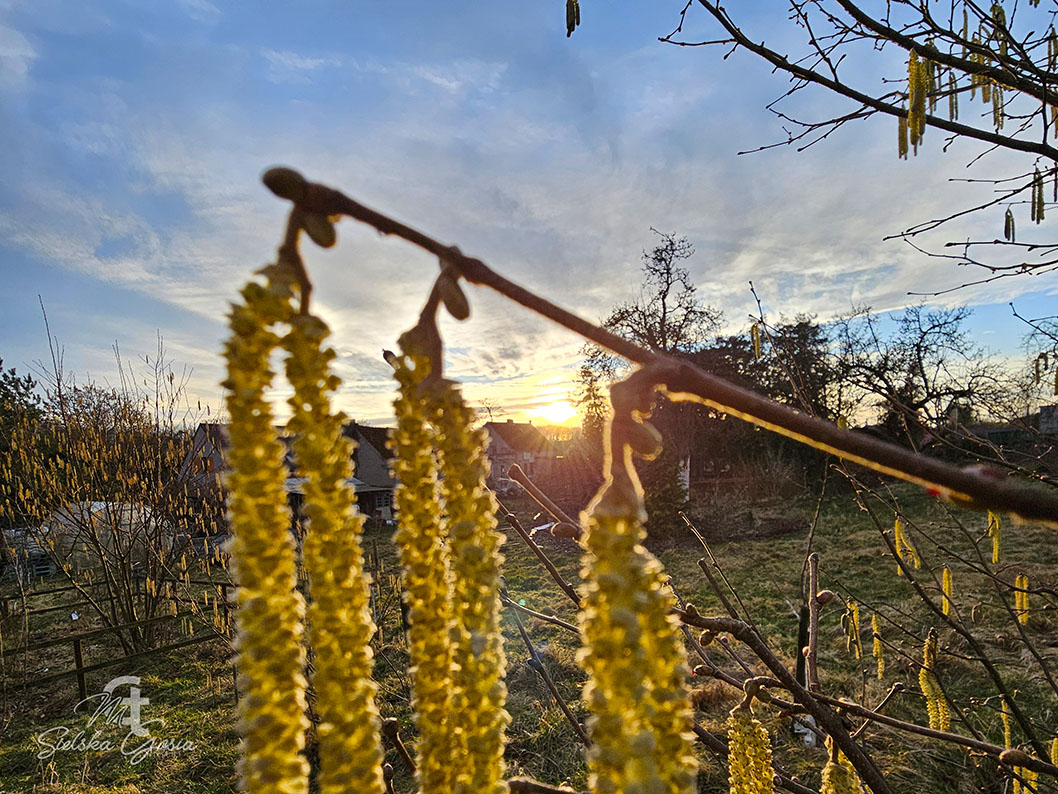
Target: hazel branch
x: 970, y: 487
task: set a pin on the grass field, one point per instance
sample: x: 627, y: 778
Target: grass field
x: 192, y: 690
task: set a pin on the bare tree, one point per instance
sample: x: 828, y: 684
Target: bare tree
x: 105, y: 492
x: 920, y: 64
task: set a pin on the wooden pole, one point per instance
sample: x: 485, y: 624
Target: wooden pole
x: 78, y: 661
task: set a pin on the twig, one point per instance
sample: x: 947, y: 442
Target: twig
x: 516, y: 525
x: 893, y: 690
x: 515, y: 473
x: 391, y: 731
x: 537, y: 664
x: 995, y: 750
x: 540, y: 615
x: 813, y: 622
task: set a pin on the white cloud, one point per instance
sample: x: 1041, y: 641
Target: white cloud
x: 200, y: 10
x: 285, y: 66
x: 16, y: 57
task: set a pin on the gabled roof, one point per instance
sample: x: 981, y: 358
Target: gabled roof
x: 217, y: 434
x: 375, y: 436
x: 521, y: 437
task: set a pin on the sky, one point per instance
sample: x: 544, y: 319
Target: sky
x: 134, y: 134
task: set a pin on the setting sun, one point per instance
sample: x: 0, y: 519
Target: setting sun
x: 558, y: 412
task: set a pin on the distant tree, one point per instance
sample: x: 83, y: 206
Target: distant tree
x: 18, y: 397
x: 921, y: 373
x: 20, y: 403
x: 666, y: 317
x: 594, y: 408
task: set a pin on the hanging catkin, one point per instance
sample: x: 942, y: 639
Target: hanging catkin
x: 340, y: 624
x: 1021, y: 598
x: 637, y: 672
x: 877, y: 648
x: 917, y: 89
x: 476, y: 707
x: 905, y: 550
x: 426, y: 577
x: 749, y: 760
x: 271, y: 658
x: 936, y: 705
x: 995, y: 526
x: 853, y: 644
x: 839, y: 775
x: 946, y: 588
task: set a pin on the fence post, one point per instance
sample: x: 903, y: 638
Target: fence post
x: 78, y: 660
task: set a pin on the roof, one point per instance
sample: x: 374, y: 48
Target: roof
x: 217, y: 434
x: 375, y: 436
x: 521, y: 437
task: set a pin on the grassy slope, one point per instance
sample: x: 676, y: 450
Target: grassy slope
x: 192, y: 690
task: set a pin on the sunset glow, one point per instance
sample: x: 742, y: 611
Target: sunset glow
x: 559, y: 412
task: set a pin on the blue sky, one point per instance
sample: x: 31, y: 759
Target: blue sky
x: 135, y: 132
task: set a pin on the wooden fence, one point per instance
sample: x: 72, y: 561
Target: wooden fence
x: 77, y: 641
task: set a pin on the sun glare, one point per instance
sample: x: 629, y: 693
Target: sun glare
x: 556, y: 413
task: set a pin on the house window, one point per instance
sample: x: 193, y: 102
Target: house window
x: 206, y: 464
x: 527, y: 456
x: 384, y: 500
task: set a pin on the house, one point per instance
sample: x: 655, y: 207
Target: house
x: 513, y: 442
x: 206, y: 463
x: 374, y: 483
x: 1049, y: 420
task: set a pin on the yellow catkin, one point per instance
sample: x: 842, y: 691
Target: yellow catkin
x: 1021, y: 598
x: 478, y: 694
x: 425, y: 576
x: 917, y: 89
x: 995, y: 526
x: 749, y: 761
x: 1037, y: 202
x: 853, y: 643
x: 1004, y: 713
x: 839, y: 775
x: 1008, y: 226
x: 904, y: 548
x: 901, y: 137
x: 878, y: 648
x: 946, y: 586
x: 754, y: 332
x: 636, y: 664
x: 340, y: 621
x: 271, y: 658
x: 936, y: 705
x: 1054, y: 751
